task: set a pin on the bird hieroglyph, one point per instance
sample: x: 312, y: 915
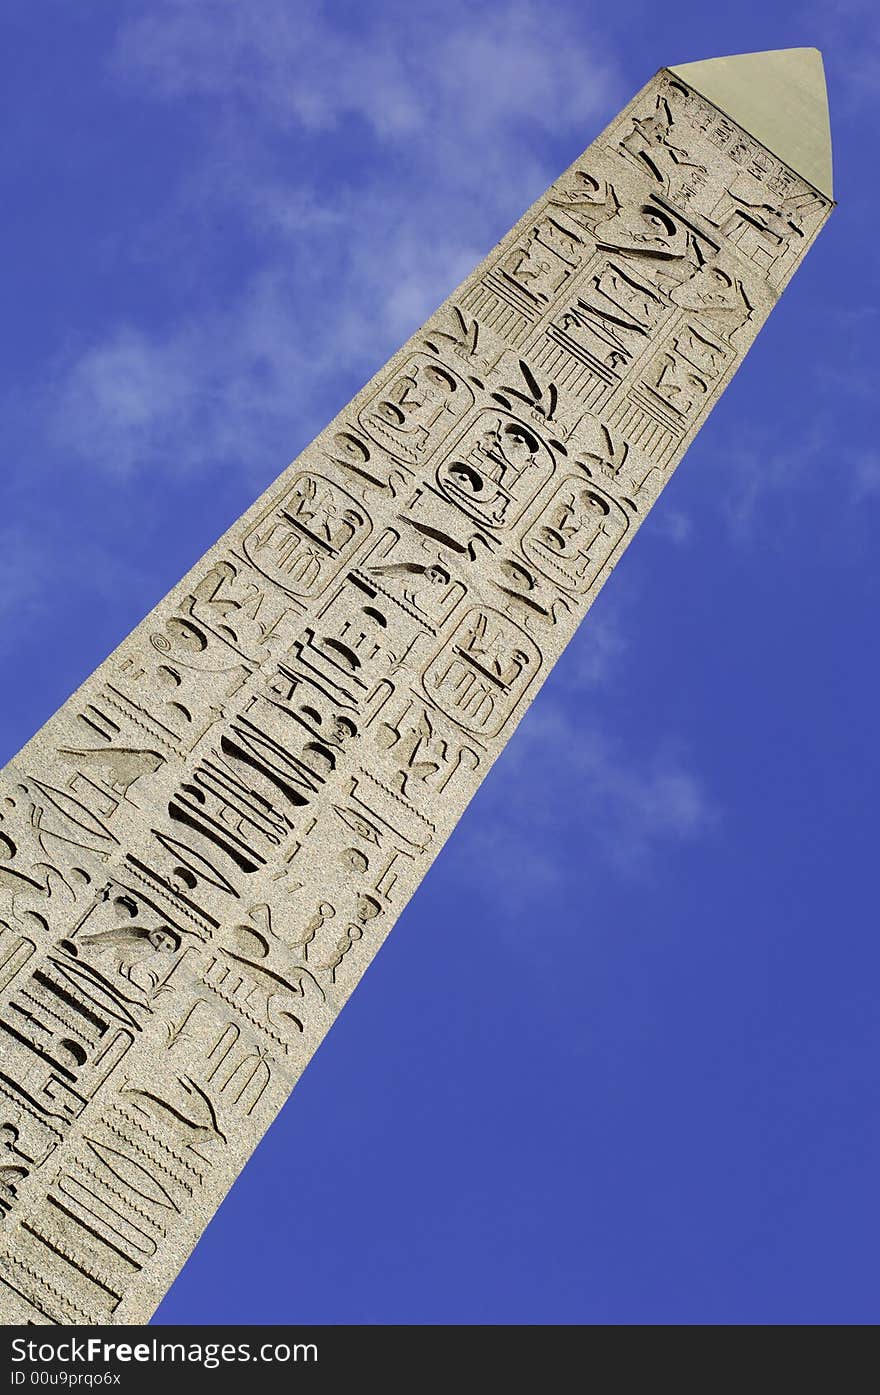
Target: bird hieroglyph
x: 201, y: 852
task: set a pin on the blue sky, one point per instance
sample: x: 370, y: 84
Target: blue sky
x: 617, y: 1062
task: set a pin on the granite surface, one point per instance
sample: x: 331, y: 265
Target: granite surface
x: 203, y: 850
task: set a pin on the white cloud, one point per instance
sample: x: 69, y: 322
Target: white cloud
x: 866, y: 479
x: 768, y: 466
x: 42, y: 559
x: 671, y: 524
x: 22, y: 593
x: 566, y: 778
x: 234, y: 387
x: 849, y: 34
x: 597, y: 651
x: 345, y: 265
x: 208, y: 390
x: 457, y: 108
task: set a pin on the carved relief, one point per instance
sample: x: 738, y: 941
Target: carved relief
x: 200, y: 855
x: 416, y: 410
x: 718, y: 297
x: 471, y: 343
x: 592, y: 343
x: 672, y: 392
x: 575, y: 535
x: 527, y: 278
x: 236, y: 1068
x: 424, y: 753
x: 483, y: 671
x: 128, y: 944
x: 586, y: 198
x: 305, y: 539
x: 252, y: 617
x: 495, y: 469
x: 365, y: 465
x: 651, y: 145
x: 173, y: 689
x: 763, y: 226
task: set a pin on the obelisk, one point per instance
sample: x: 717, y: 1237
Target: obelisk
x: 201, y: 852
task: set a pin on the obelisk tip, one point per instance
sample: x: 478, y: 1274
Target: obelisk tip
x: 780, y: 98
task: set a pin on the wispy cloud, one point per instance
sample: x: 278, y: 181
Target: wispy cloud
x: 850, y: 38
x: 22, y: 595
x: 773, y: 478
x: 585, y: 788
x: 866, y: 477
x: 208, y: 390
x: 340, y: 265
x: 566, y: 778
x: 673, y: 525
x: 436, y: 71
x: 596, y: 655
x: 42, y: 558
x: 309, y: 142
x: 758, y: 469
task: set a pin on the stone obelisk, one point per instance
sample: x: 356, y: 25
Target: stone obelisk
x: 201, y: 852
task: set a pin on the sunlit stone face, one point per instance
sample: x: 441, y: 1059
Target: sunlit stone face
x: 204, y: 848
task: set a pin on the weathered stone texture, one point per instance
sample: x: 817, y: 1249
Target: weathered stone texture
x: 205, y: 847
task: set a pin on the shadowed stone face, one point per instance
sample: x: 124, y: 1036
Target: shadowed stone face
x: 204, y: 848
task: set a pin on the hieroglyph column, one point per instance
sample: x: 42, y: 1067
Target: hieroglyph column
x: 204, y: 848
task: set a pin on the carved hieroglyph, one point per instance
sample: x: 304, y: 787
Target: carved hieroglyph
x: 204, y: 848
